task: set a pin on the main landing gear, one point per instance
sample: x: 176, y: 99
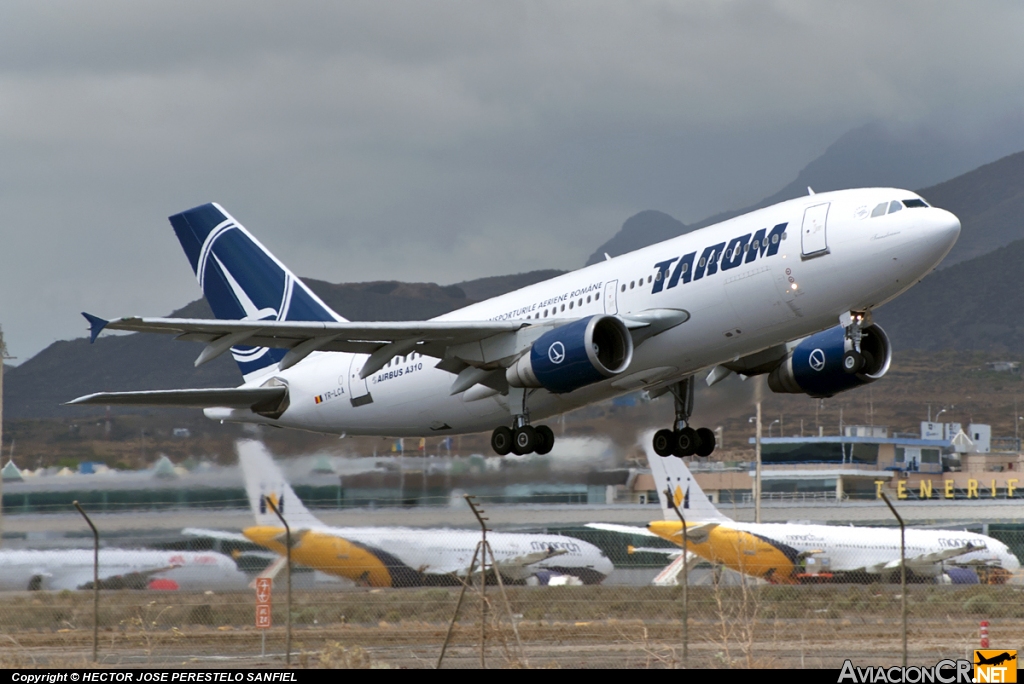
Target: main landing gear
x: 856, y: 358
x: 684, y: 440
x: 522, y: 438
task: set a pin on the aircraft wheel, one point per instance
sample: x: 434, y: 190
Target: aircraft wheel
x: 662, y: 442
x: 853, y: 362
x: 684, y: 442
x: 524, y: 440
x: 545, y: 439
x: 501, y: 440
x: 706, y: 439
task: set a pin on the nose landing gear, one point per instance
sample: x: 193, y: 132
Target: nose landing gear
x: 684, y: 440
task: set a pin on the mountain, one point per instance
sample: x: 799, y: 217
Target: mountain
x: 990, y: 204
x: 874, y: 155
x: 72, y: 368
x: 640, y: 230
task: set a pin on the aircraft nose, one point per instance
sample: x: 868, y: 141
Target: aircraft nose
x: 944, y: 227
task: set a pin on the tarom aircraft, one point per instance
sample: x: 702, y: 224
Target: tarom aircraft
x: 118, y: 569
x: 789, y: 553
x: 786, y: 291
x: 399, y: 556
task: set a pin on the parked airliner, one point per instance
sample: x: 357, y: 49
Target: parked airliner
x: 57, y: 569
x: 399, y: 556
x: 790, y: 552
x: 787, y: 291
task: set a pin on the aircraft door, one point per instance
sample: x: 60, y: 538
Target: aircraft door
x: 813, y: 239
x: 358, y: 389
x: 611, y: 301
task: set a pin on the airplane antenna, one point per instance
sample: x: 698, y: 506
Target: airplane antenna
x: 482, y: 551
x: 810, y: 190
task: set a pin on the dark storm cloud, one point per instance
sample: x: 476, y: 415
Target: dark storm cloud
x: 433, y: 141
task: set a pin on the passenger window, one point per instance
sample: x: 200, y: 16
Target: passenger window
x: 580, y: 302
x: 879, y: 210
x: 545, y: 313
x: 913, y: 203
x: 649, y: 279
x: 563, y: 307
x: 588, y: 299
x: 894, y: 206
x: 623, y: 287
x: 570, y: 304
x: 632, y: 284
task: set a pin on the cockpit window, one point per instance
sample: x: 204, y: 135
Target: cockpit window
x: 914, y: 203
x: 879, y: 210
x: 894, y: 206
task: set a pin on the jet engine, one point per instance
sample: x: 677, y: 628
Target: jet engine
x: 574, y: 355
x: 816, y: 365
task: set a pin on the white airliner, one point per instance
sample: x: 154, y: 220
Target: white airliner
x: 399, y: 556
x: 789, y: 553
x: 787, y: 290
x: 22, y: 570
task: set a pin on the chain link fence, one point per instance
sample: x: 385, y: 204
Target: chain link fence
x: 181, y: 610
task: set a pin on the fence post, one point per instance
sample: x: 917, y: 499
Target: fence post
x: 288, y: 599
x: 903, y: 572
x: 686, y: 580
x: 95, y: 584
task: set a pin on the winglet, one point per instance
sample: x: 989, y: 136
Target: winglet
x: 96, y: 326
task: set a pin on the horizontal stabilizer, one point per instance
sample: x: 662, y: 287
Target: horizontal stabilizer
x: 96, y: 326
x: 228, y: 397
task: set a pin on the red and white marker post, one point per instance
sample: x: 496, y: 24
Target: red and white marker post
x: 264, y: 586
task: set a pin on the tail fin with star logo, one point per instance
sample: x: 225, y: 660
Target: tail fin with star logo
x: 265, y: 482
x: 670, y: 473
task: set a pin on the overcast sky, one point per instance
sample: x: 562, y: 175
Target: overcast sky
x: 434, y: 141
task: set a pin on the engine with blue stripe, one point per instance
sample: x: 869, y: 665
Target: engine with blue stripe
x: 815, y: 366
x: 574, y: 355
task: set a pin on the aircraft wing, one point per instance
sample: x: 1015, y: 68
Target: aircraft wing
x: 216, y: 534
x: 622, y: 529
x: 927, y: 559
x: 229, y: 397
x: 695, y: 532
x: 924, y: 560
x: 509, y: 566
x: 473, y: 349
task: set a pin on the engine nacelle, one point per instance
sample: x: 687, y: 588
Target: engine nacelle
x: 815, y: 366
x: 574, y: 355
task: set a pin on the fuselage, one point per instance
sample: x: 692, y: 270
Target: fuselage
x: 403, y: 557
x: 777, y: 551
x: 73, y: 569
x: 754, y: 281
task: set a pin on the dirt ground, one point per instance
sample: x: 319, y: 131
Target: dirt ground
x: 562, y: 627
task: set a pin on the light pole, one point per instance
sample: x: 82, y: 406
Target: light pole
x: 757, y: 464
x: 770, y: 426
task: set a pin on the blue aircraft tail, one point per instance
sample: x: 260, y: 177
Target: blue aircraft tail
x: 242, y: 281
